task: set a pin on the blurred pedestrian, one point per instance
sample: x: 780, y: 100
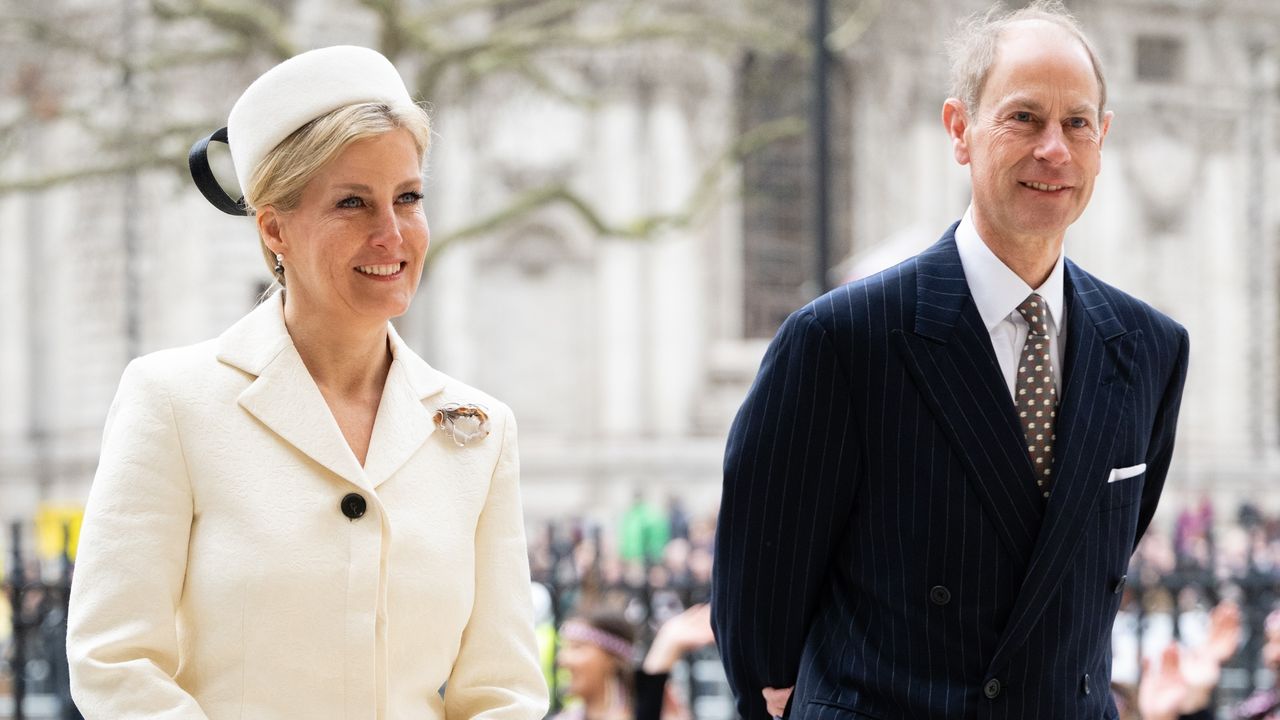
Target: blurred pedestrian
x: 598, y: 651
x: 1265, y: 704
x: 1179, y: 684
x: 643, y: 533
x: 302, y: 519
x: 677, y: 518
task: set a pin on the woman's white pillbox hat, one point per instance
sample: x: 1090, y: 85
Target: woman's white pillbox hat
x: 301, y: 89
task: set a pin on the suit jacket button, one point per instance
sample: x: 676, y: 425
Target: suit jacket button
x: 991, y: 689
x: 1119, y: 585
x: 353, y: 506
x: 939, y: 595
x: 1084, y: 684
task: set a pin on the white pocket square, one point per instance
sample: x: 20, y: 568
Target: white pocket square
x: 1126, y: 472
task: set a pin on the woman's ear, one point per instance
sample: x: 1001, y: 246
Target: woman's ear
x: 268, y: 219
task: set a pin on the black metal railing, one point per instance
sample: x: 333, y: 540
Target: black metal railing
x: 649, y: 591
x: 1197, y: 587
x: 37, y: 656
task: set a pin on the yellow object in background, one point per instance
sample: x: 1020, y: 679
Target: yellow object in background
x: 50, y: 535
x: 6, y: 620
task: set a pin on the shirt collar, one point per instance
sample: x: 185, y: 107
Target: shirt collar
x: 996, y: 289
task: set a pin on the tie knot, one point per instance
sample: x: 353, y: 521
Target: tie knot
x: 1036, y: 313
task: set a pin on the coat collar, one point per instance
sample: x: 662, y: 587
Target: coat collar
x: 285, y: 398
x: 942, y: 291
x: 996, y: 289
x: 949, y: 353
x: 1099, y: 367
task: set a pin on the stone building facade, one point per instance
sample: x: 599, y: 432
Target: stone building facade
x: 625, y: 359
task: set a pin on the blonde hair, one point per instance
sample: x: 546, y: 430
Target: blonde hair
x: 282, y: 175
x: 974, y: 45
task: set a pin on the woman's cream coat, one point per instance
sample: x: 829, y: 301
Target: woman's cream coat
x: 218, y: 577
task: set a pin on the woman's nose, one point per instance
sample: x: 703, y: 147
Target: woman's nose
x: 386, y: 229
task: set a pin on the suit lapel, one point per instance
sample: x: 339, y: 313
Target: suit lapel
x: 950, y: 357
x: 404, y: 421
x: 1097, y: 375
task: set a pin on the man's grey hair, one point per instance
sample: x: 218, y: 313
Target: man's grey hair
x: 974, y: 45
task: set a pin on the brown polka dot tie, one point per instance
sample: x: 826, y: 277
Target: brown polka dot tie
x: 1036, y: 396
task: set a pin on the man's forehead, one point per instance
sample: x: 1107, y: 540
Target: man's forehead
x: 1040, y: 38
x: 1073, y: 103
x: 1037, y: 56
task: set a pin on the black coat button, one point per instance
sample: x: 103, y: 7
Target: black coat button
x: 991, y: 689
x: 939, y: 595
x: 353, y: 506
x: 1119, y: 585
x: 1084, y: 684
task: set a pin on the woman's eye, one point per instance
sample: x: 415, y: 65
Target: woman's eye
x: 410, y: 198
x: 351, y: 202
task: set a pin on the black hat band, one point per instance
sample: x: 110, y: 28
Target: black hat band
x: 198, y: 161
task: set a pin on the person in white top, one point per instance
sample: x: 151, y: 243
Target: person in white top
x: 301, y: 518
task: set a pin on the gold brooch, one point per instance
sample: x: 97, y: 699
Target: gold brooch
x: 464, y: 423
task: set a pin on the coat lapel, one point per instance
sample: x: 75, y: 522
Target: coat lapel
x: 950, y: 357
x: 285, y: 398
x: 404, y: 419
x: 1097, y: 374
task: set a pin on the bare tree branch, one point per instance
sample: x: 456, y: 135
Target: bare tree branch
x: 256, y: 23
x: 545, y: 45
x: 528, y: 35
x: 55, y: 32
x: 641, y: 228
x: 391, y: 35
x: 852, y: 29
x: 51, y: 180
x: 164, y: 148
x: 170, y: 59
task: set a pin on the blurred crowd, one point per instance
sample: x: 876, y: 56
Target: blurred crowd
x: 1198, y: 623
x: 1189, y: 639
x: 624, y: 629
x: 1182, y: 681
x: 1203, y: 539
x: 622, y: 614
x: 651, y: 563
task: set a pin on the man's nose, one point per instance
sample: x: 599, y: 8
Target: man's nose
x: 1051, y: 146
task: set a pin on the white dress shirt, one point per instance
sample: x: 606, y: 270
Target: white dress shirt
x: 998, y: 291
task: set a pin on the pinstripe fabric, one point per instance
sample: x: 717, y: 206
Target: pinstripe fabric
x: 881, y: 543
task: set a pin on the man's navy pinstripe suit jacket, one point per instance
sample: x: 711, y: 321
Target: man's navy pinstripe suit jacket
x: 882, y: 545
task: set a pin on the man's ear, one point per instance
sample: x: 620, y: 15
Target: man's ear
x: 955, y: 119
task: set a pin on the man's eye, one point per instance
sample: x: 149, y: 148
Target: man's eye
x: 351, y: 202
x: 1022, y: 116
x: 1078, y: 123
